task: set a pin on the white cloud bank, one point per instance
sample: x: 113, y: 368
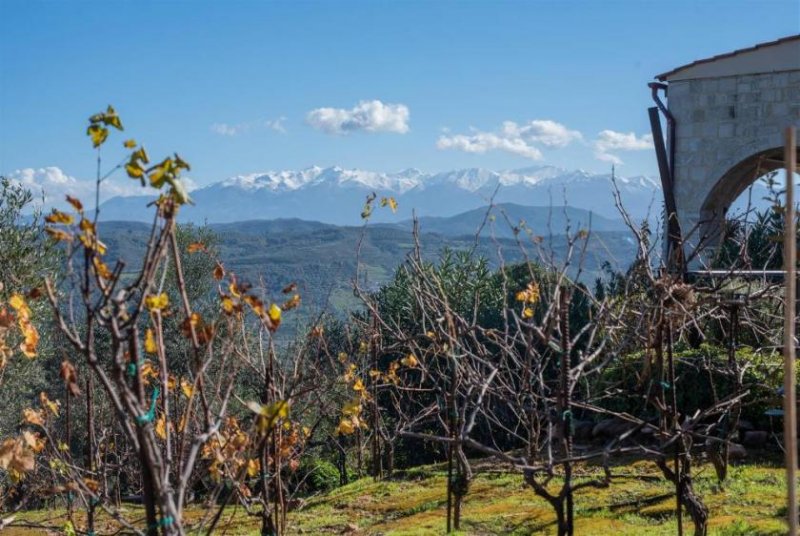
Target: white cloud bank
x: 227, y: 129
x: 528, y: 140
x: 50, y: 185
x: 367, y: 116
x: 519, y: 139
x: 609, y: 140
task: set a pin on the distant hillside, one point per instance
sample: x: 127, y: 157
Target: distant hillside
x: 321, y: 258
x: 542, y: 221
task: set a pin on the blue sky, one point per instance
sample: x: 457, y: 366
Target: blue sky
x: 233, y: 86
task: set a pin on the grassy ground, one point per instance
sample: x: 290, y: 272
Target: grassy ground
x: 638, y: 502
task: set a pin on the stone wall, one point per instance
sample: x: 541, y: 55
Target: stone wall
x: 722, y: 126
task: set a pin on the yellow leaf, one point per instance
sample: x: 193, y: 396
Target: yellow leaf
x: 358, y: 385
x: 59, y: 235
x: 91, y: 242
x: 59, y: 217
x: 531, y: 293
x: 256, y: 304
x: 270, y: 414
x: 16, y: 458
x: 227, y: 304
x: 101, y: 268
x: 352, y: 408
x: 390, y: 202
x: 187, y: 388
x: 17, y: 302
x: 234, y: 290
x: 98, y: 134
x: 134, y: 170
x: 32, y: 416
x: 75, y: 202
x: 140, y: 155
x: 111, y: 118
x: 129, y: 144
x: 527, y: 313
x: 161, y: 427
x: 159, y: 175
x: 157, y: 302
x: 345, y: 427
x: 291, y: 303
x: 88, y: 227
x: 182, y: 424
x: 219, y: 272
x: 195, y: 247
x: 7, y: 449
x: 180, y: 163
x: 147, y: 370
x: 33, y: 441
x: 252, y: 468
x: 410, y: 361
x: 215, y: 471
x: 274, y: 314
x: 53, y: 406
x: 30, y: 338
x: 149, y: 342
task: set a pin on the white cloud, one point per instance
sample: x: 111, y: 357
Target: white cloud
x: 369, y: 116
x: 609, y: 140
x: 276, y: 124
x: 481, y: 142
x: 542, y: 131
x: 50, y: 185
x: 519, y: 139
x: 224, y: 129
x: 227, y: 129
x: 608, y: 157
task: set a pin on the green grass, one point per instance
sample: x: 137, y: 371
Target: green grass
x: 638, y: 502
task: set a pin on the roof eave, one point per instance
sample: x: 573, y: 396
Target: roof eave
x: 664, y: 77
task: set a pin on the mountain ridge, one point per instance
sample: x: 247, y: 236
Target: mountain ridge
x: 336, y: 195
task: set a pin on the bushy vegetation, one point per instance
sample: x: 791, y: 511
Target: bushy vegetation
x: 172, y: 381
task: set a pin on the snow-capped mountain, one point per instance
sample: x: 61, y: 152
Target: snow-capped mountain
x: 336, y: 195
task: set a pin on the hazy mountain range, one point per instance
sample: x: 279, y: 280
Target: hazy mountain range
x: 336, y: 196
x: 322, y: 258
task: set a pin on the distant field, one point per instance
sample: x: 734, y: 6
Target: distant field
x: 321, y: 258
x: 638, y: 502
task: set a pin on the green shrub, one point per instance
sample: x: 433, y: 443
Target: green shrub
x: 318, y: 476
x: 700, y: 374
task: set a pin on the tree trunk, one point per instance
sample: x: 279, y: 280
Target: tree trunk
x: 389, y: 459
x: 561, y: 517
x: 697, y: 510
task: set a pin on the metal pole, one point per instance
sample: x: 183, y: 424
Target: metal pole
x: 789, y: 399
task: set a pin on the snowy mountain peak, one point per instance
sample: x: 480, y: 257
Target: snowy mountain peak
x: 468, y: 179
x: 336, y: 195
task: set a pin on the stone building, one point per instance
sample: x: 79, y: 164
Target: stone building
x: 726, y: 118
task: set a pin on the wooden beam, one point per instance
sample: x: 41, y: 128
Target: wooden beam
x: 790, y: 396
x: 674, y: 238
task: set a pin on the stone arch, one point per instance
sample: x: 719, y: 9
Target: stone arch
x: 732, y: 182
